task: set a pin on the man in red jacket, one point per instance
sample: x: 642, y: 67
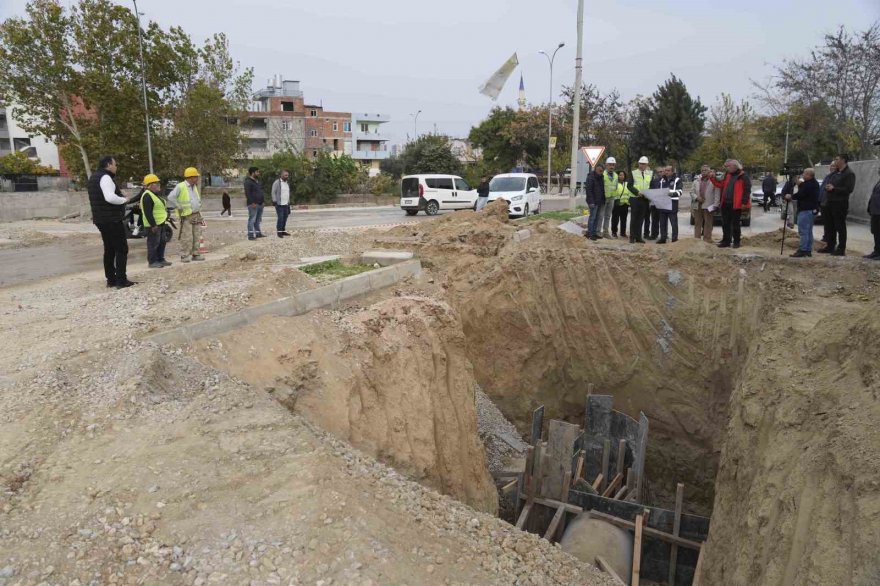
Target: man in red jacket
x: 736, y: 189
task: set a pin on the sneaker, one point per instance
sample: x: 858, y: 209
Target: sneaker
x: 280, y: 235
x: 801, y: 254
x: 839, y: 252
x: 261, y: 235
x: 594, y: 238
x: 252, y: 237
x: 184, y: 259
x: 166, y: 263
x: 286, y: 233
x: 125, y: 284
x: 724, y: 245
x: 198, y: 257
x: 156, y: 265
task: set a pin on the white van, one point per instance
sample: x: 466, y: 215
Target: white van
x: 521, y: 190
x: 433, y: 193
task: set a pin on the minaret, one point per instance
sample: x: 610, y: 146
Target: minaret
x: 522, y: 93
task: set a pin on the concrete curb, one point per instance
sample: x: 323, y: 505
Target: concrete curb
x: 327, y: 296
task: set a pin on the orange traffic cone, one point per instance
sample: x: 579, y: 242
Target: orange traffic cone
x: 203, y: 248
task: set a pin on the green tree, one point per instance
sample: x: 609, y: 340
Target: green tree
x: 394, y: 166
x: 603, y: 122
x: 732, y: 133
x: 320, y: 179
x: 17, y: 163
x: 814, y: 135
x: 493, y: 136
x: 431, y: 153
x: 669, y: 126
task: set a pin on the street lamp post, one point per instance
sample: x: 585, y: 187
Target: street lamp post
x: 550, y: 116
x: 144, y: 85
x: 416, y: 124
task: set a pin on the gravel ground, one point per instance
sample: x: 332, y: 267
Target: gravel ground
x: 499, y: 435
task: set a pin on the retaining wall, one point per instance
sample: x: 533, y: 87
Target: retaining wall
x: 15, y: 207
x: 866, y: 179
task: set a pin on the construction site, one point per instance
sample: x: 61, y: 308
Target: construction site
x: 466, y: 400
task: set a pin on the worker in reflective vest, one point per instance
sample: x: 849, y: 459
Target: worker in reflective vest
x: 611, y: 196
x: 154, y: 214
x: 621, y: 206
x: 188, y: 202
x: 638, y: 184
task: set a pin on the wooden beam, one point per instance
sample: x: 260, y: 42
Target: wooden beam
x: 524, y: 515
x: 621, y: 456
x: 637, y: 552
x: 554, y: 504
x: 554, y: 524
x: 698, y: 571
x: 508, y: 488
x: 606, y: 458
x: 579, y: 469
x: 606, y: 567
x: 620, y: 493
x: 598, y: 482
x: 613, y: 486
x: 676, y: 528
x: 648, y: 531
x: 585, y: 486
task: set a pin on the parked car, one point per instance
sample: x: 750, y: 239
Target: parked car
x: 521, y: 190
x: 758, y: 197
x: 432, y: 193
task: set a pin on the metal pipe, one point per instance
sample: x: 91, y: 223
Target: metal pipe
x: 550, y: 117
x: 576, y: 121
x: 144, y: 85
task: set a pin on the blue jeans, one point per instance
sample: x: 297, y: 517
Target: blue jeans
x: 805, y: 229
x: 255, y: 215
x: 283, y: 212
x: 593, y: 221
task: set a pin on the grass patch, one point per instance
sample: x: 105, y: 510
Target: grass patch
x: 332, y: 270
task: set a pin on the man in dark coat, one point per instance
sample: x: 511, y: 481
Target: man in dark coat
x: 595, y: 191
x: 108, y: 213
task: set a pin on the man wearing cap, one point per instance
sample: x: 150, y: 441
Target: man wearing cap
x: 186, y: 199
x: 154, y: 214
x: 606, y: 211
x: 639, y: 182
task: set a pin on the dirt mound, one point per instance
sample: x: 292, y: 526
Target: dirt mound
x: 798, y: 491
x: 405, y: 392
x: 773, y: 240
x: 498, y: 209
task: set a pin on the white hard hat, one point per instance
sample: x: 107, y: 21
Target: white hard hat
x: 643, y: 160
x: 610, y: 161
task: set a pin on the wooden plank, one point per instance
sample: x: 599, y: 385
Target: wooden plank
x: 561, y: 437
x: 620, y: 493
x: 579, y: 469
x: 508, y: 488
x: 537, y: 425
x: 606, y: 458
x: 639, y: 466
x: 698, y: 571
x: 637, y: 552
x: 538, y: 468
x: 612, y: 486
x: 621, y: 456
x: 598, y: 482
x: 554, y: 524
x: 676, y: 528
x: 554, y: 504
x: 648, y: 531
x: 584, y: 486
x: 524, y: 515
x: 606, y: 567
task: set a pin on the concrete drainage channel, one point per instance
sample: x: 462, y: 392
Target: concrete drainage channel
x: 395, y: 266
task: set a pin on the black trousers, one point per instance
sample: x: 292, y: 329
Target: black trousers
x: 652, y: 222
x: 667, y: 218
x: 731, y: 226
x: 155, y: 246
x: 768, y: 197
x: 837, y: 211
x: 875, y: 230
x: 618, y: 217
x: 825, y: 229
x: 639, y: 212
x: 115, y: 251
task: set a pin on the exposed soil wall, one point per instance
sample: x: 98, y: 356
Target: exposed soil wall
x: 393, y: 380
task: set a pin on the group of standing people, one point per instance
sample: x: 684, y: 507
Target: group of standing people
x: 253, y: 193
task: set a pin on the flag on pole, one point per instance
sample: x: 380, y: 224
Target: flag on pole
x: 495, y: 84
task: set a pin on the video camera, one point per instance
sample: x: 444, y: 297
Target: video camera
x: 791, y: 172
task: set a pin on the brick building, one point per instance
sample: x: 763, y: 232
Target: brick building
x: 327, y: 131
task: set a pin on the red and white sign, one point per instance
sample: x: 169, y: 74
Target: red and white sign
x: 593, y: 154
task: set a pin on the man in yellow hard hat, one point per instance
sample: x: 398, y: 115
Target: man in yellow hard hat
x: 154, y: 214
x: 188, y: 201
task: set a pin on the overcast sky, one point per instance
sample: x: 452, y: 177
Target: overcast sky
x: 400, y: 56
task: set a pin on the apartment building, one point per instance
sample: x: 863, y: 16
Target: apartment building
x: 369, y: 142
x: 14, y: 138
x: 328, y: 132
x: 275, y: 120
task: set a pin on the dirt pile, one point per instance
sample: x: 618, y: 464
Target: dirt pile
x: 404, y: 393
x: 798, y: 493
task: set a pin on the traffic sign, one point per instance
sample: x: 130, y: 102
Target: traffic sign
x: 552, y: 142
x: 593, y: 154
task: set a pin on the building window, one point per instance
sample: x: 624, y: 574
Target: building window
x: 313, y: 133
x: 335, y: 126
x: 313, y: 113
x: 365, y: 127
x: 346, y: 126
x: 287, y: 106
x: 314, y: 153
x: 285, y: 125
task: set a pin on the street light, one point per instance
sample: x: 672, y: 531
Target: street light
x: 415, y: 124
x: 550, y: 115
x: 144, y: 85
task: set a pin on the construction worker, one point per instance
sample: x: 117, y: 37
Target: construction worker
x: 621, y: 206
x: 611, y: 196
x: 639, y: 182
x: 188, y: 202
x: 154, y: 214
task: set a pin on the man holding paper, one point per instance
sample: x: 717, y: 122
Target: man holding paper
x: 706, y: 198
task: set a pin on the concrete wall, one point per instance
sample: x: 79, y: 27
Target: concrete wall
x: 15, y: 207
x: 866, y: 179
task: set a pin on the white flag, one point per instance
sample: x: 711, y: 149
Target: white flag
x: 493, y: 87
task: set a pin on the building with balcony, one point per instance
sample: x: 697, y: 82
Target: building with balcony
x: 369, y: 142
x: 14, y: 138
x: 275, y: 120
x: 328, y: 132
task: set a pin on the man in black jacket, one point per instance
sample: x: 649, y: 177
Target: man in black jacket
x: 768, y: 186
x: 874, y: 212
x: 839, y: 188
x: 807, y: 198
x: 595, y: 192
x: 108, y: 212
x: 823, y: 199
x: 253, y: 193
x: 673, y: 184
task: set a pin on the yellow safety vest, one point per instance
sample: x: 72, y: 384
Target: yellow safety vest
x: 642, y: 183
x: 184, y: 205
x: 623, y: 193
x: 160, y: 212
x: 610, y: 185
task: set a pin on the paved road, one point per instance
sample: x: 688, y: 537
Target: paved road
x: 75, y: 255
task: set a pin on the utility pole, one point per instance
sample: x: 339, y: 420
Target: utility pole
x: 787, y: 125
x: 416, y: 125
x: 550, y: 118
x: 576, y: 121
x: 144, y: 85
